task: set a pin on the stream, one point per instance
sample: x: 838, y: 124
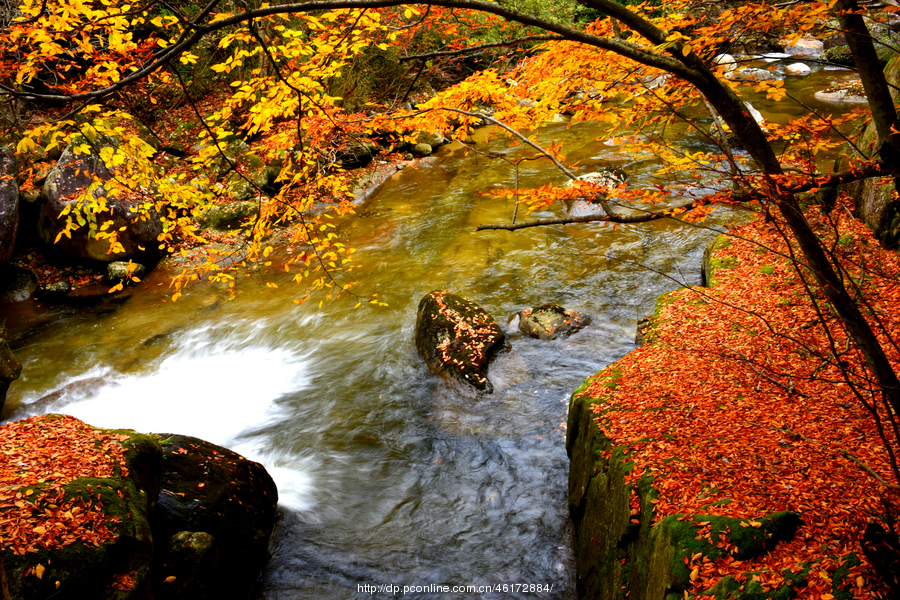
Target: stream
x: 386, y: 476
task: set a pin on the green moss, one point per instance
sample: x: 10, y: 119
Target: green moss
x: 647, y: 327
x: 712, y: 263
x: 767, y: 269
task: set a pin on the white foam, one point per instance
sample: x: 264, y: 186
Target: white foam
x: 218, y: 390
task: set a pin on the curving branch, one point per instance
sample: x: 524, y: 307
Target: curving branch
x: 641, y: 217
x: 521, y: 40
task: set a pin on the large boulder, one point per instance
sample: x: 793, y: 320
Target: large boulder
x: 212, y: 524
x: 9, y: 203
x: 75, y: 519
x: 67, y: 181
x: 458, y: 339
x: 550, y: 321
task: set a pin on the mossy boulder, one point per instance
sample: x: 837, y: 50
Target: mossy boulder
x: 89, y: 537
x: 550, y: 321
x: 458, y: 339
x: 150, y: 516
x: 211, y: 490
x: 229, y: 215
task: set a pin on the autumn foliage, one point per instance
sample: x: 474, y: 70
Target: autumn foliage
x: 737, y: 406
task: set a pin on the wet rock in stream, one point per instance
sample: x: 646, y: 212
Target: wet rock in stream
x: 458, y: 339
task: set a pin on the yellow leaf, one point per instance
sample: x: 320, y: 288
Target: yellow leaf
x: 25, y: 144
x: 39, y: 571
x: 686, y: 50
x: 40, y: 530
x: 695, y: 574
x: 170, y: 579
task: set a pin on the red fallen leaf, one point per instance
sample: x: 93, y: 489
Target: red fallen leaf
x: 182, y: 451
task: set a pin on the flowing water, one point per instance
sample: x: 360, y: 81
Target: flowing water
x: 386, y: 476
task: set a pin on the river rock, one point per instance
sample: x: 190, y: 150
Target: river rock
x: 797, y: 70
x: 433, y: 139
x: 550, y: 321
x: 726, y: 61
x: 229, y: 215
x: 419, y: 150
x: 16, y: 284
x: 608, y: 178
x: 841, y: 96
x: 95, y: 541
x: 9, y: 204
x: 751, y: 74
x: 804, y: 46
x: 209, y: 489
x: 67, y: 180
x: 458, y: 339
x: 121, y: 270
x: 357, y: 155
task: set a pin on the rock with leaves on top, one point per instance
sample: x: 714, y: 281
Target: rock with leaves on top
x: 458, y: 339
x: 231, y: 500
x: 75, y: 523
x: 550, y: 321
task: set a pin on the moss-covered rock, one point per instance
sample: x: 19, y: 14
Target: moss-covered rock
x: 230, y: 215
x: 91, y: 536
x: 458, y: 339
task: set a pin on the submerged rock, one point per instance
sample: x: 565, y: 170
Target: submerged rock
x: 458, y: 339
x: 550, y: 321
x: 751, y: 74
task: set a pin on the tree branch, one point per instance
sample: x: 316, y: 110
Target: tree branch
x: 611, y: 218
x: 529, y: 38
